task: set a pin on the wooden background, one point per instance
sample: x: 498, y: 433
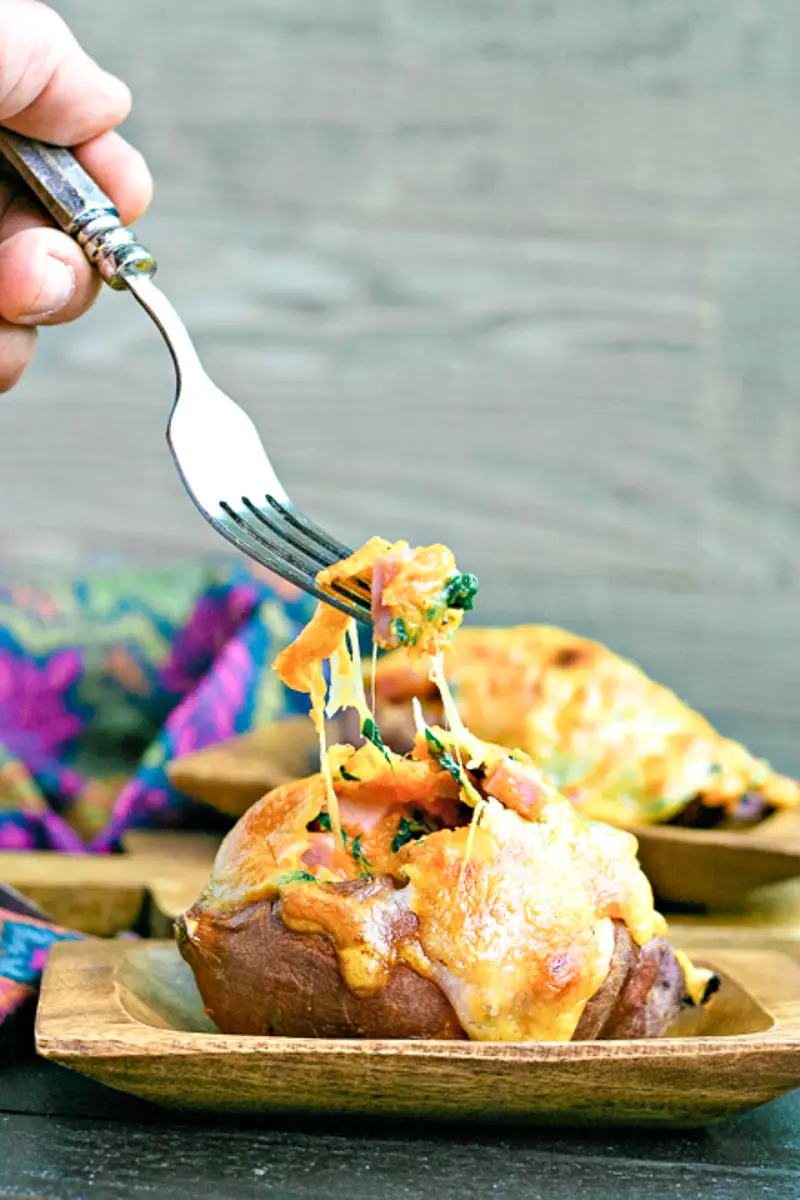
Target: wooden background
x: 518, y: 275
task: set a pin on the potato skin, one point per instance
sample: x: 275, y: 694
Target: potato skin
x: 651, y: 996
x: 750, y: 810
x: 598, y: 1011
x: 257, y: 976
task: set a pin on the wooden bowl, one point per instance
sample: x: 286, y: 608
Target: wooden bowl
x: 158, y: 877
x: 719, y: 870
x: 129, y: 1015
x: 234, y: 774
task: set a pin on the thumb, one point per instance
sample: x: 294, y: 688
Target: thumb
x: 49, y: 86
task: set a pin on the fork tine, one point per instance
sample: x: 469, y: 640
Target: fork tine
x: 319, y: 537
x: 294, y: 516
x: 291, y: 530
x: 271, y: 554
x: 295, y: 552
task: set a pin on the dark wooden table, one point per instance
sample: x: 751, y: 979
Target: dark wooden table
x: 65, y: 1138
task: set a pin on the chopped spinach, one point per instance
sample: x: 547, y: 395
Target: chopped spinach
x: 358, y: 855
x: 289, y: 877
x: 410, y: 829
x: 373, y: 734
x: 324, y: 821
x: 443, y: 756
x: 437, y: 747
x: 401, y: 631
x: 460, y: 591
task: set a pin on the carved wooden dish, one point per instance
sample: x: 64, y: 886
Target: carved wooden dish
x: 719, y: 869
x: 129, y: 1015
x: 159, y: 875
x: 234, y: 774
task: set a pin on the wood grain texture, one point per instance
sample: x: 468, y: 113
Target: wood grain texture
x: 719, y: 869
x: 233, y: 775
x: 64, y: 1157
x: 159, y: 877
x: 558, y: 241
x: 142, y: 1029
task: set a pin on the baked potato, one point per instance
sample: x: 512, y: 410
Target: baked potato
x: 464, y: 898
x: 621, y: 747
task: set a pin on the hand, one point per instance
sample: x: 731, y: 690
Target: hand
x: 51, y: 89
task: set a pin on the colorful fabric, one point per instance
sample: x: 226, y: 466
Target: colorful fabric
x: 102, y: 683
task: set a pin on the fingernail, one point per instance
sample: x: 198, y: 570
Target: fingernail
x: 58, y: 288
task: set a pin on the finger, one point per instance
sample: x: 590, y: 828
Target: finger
x: 45, y: 278
x: 114, y: 165
x: 117, y: 168
x: 120, y: 171
x: 17, y: 348
x: 49, y: 86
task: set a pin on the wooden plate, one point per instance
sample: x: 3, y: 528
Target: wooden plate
x: 159, y: 876
x: 129, y: 1015
x: 719, y: 870
x: 232, y: 775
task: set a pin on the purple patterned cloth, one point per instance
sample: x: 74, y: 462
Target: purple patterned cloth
x: 102, y: 683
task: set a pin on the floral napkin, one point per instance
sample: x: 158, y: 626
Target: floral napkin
x: 102, y: 683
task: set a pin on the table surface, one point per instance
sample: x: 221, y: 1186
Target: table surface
x: 66, y: 1138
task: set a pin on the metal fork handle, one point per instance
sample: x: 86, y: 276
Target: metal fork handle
x: 79, y: 207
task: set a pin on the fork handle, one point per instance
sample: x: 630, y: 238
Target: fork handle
x: 79, y: 207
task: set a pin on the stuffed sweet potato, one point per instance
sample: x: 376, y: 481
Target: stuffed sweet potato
x: 622, y: 748
x: 463, y: 898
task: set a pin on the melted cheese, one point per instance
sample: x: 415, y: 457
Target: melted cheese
x: 511, y: 913
x: 696, y: 978
x: 409, y: 590
x: 347, y: 678
x: 623, y: 748
x: 520, y: 943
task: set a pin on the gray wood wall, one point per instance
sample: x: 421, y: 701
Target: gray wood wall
x: 519, y: 275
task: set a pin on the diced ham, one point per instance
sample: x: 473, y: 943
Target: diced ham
x: 517, y: 788
x: 384, y: 570
x: 320, y: 852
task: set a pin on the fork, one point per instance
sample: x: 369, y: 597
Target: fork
x: 217, y: 451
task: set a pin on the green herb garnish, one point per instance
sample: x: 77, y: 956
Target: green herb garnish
x: 443, y: 756
x: 346, y: 775
x: 324, y: 821
x: 410, y: 829
x: 401, y: 631
x: 289, y: 877
x: 373, y: 734
x: 358, y: 855
x: 460, y: 591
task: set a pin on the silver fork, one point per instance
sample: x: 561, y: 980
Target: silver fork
x: 214, y: 443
